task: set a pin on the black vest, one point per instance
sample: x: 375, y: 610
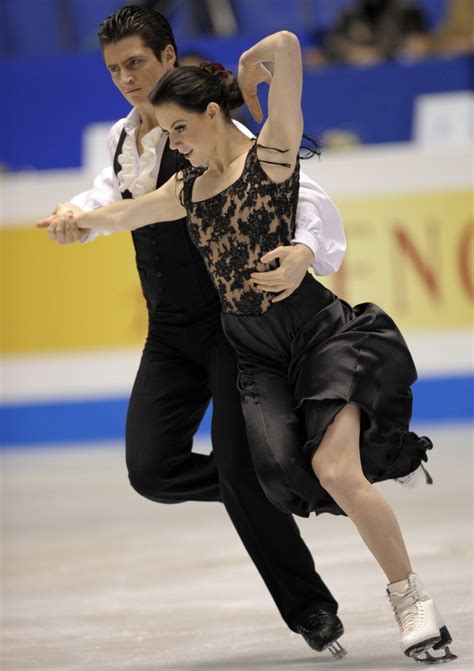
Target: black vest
x: 171, y: 269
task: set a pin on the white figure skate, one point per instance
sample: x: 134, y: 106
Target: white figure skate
x: 422, y: 629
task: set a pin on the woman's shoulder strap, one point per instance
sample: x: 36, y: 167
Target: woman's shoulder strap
x: 276, y: 149
x: 188, y: 176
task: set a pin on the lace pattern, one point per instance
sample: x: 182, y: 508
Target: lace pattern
x: 236, y: 227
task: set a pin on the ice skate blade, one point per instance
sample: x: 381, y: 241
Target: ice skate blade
x: 422, y: 646
x: 337, y: 650
x: 425, y: 656
x: 428, y: 658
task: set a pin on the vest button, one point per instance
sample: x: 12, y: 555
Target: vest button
x: 154, y: 242
x: 156, y: 258
x: 158, y: 274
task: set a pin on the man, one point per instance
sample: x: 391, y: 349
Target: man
x: 186, y: 359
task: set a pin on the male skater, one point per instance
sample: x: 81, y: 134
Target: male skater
x: 187, y: 360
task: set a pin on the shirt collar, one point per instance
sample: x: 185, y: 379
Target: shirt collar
x: 132, y: 121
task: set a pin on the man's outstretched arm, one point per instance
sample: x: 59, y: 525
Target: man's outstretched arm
x: 105, y: 191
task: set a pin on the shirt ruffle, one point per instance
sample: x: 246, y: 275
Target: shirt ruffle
x: 139, y: 173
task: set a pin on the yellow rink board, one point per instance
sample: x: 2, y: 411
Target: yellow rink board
x: 412, y: 254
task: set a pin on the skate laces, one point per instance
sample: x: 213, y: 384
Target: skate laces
x: 407, y: 607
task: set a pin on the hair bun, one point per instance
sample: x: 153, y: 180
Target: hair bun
x: 231, y: 94
x: 215, y: 69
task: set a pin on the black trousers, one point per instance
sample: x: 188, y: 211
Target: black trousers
x: 186, y: 362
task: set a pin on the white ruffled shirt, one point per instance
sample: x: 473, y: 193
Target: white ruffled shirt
x: 318, y: 223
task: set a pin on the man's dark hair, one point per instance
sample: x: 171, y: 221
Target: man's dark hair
x: 150, y: 26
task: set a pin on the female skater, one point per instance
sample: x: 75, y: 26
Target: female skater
x: 325, y: 387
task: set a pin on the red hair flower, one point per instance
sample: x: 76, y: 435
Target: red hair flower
x: 220, y: 70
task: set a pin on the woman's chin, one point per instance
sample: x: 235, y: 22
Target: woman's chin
x: 195, y: 162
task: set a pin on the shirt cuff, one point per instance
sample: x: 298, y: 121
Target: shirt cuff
x: 302, y: 236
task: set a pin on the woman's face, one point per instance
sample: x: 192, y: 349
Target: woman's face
x: 193, y: 134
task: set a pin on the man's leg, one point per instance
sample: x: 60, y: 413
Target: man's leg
x: 168, y: 401
x: 270, y: 536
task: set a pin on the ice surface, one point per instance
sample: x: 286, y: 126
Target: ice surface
x: 95, y: 577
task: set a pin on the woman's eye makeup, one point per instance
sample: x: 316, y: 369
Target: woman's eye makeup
x: 176, y: 129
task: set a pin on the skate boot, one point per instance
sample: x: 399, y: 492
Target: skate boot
x: 321, y: 630
x: 422, y: 628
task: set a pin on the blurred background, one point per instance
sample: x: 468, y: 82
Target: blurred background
x: 387, y: 88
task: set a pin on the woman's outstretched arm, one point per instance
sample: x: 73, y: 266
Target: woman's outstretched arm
x: 129, y: 214
x: 284, y: 126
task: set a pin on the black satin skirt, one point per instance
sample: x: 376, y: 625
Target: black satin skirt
x: 299, y: 364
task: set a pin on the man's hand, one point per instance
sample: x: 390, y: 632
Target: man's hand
x: 294, y: 263
x: 62, y: 224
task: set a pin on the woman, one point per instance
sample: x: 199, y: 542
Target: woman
x: 347, y: 370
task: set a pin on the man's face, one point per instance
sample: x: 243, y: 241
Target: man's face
x: 135, y: 69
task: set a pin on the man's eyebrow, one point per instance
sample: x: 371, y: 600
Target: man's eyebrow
x: 129, y: 58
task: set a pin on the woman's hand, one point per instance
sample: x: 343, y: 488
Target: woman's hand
x: 249, y: 77
x: 63, y: 226
x: 294, y: 263
x: 284, y: 126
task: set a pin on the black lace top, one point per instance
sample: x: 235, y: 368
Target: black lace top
x: 236, y: 227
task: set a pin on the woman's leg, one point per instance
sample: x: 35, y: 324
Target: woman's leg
x: 337, y: 466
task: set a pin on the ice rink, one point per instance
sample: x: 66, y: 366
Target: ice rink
x: 95, y: 577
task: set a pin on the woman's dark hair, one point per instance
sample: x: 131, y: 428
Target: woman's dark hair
x: 150, y: 26
x: 310, y: 146
x: 193, y: 88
